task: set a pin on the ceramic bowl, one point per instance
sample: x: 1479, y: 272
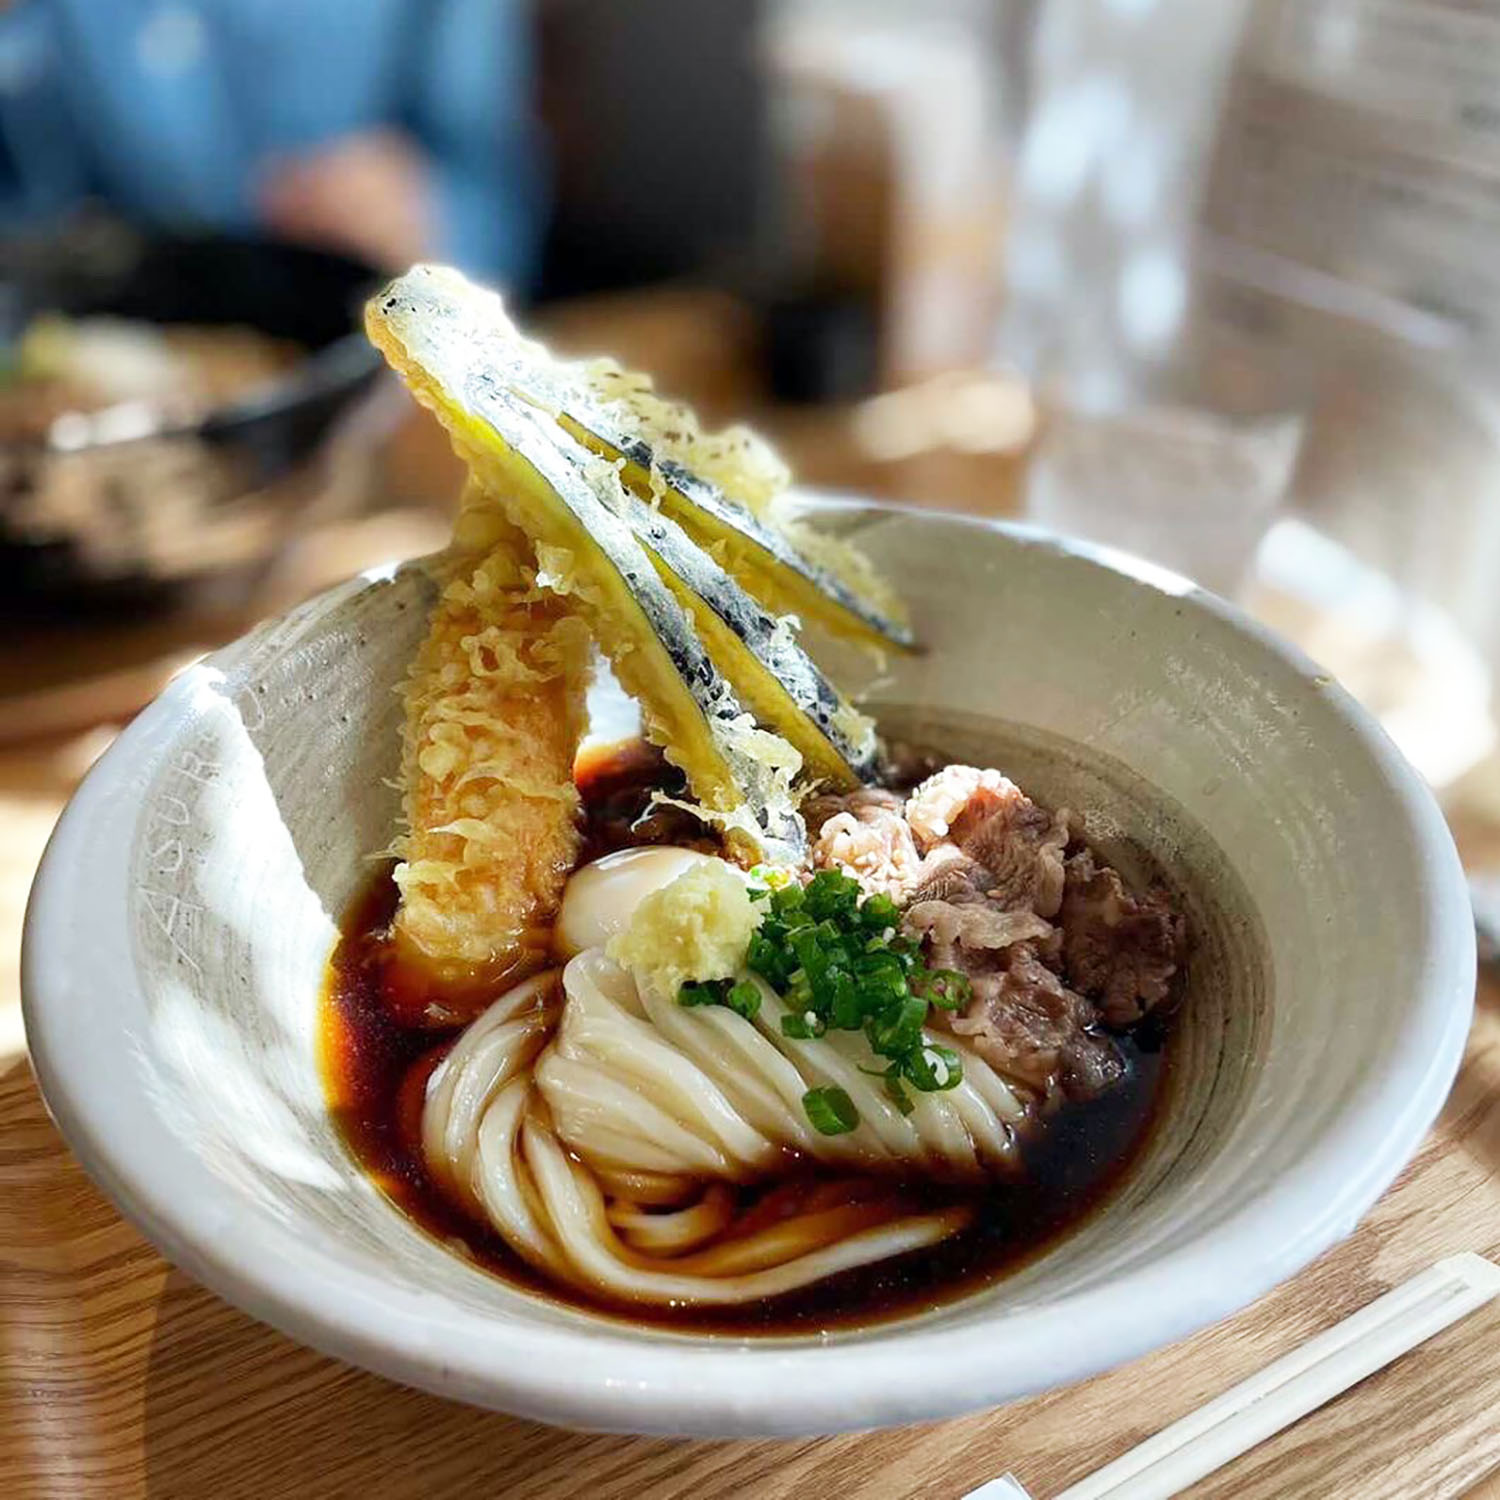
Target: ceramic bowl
x: 185, y: 911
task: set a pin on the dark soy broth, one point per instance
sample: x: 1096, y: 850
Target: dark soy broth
x: 376, y: 1067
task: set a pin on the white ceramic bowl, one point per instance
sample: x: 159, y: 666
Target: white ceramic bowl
x: 186, y: 907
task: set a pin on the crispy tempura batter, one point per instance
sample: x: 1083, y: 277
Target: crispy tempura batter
x: 747, y: 469
x: 451, y: 342
x: 494, y: 713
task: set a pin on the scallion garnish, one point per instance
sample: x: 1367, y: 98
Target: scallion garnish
x: 743, y: 998
x: 803, y: 1026
x: 830, y: 1110
x: 893, y: 1087
x: 841, y: 964
x: 945, y: 988
x: 897, y: 1028
x: 932, y: 1068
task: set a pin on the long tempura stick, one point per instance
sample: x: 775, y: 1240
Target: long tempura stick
x: 494, y: 714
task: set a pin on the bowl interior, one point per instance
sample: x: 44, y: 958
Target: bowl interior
x: 1327, y: 993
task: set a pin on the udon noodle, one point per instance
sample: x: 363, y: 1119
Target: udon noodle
x: 598, y: 1125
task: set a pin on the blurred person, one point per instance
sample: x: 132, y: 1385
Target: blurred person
x: 390, y: 129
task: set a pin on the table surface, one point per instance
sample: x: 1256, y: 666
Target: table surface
x: 120, y: 1377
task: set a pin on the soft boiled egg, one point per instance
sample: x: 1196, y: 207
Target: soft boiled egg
x: 599, y: 899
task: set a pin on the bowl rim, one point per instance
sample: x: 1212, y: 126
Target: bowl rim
x: 339, y: 371
x: 338, y: 368
x: 594, y: 1377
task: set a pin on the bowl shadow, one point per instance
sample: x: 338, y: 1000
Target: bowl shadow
x: 233, y: 1408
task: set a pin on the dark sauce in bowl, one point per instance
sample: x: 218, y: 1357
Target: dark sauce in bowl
x: 376, y: 1065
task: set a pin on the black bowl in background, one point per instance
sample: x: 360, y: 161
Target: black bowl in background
x: 122, y: 520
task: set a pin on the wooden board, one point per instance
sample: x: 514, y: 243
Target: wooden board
x: 121, y: 1378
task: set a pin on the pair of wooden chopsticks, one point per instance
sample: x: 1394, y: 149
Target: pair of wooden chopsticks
x: 1284, y: 1392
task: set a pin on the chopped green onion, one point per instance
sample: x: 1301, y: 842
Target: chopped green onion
x: 787, y: 898
x: 768, y: 960
x: 743, y: 999
x: 830, y: 893
x: 813, y: 959
x: 897, y: 1094
x: 882, y: 973
x: 847, y: 1010
x: 933, y: 1069
x: 945, y: 988
x: 803, y: 1026
x: 841, y: 963
x: 830, y: 1110
x: 897, y: 1031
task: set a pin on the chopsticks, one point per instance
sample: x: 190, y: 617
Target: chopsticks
x: 1285, y: 1391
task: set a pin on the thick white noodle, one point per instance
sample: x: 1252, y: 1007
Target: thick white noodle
x: 708, y: 1085
x: 595, y: 1125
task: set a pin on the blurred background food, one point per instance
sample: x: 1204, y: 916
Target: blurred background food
x: 1211, y: 283
x: 164, y: 405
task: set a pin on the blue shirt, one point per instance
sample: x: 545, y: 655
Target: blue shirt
x: 166, y: 109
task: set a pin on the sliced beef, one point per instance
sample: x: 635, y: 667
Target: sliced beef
x: 1020, y: 844
x: 992, y: 821
x: 1025, y: 1022
x: 1023, y: 1019
x: 865, y: 835
x: 971, y: 925
x: 1053, y: 945
x: 1119, y: 949
x: 948, y: 874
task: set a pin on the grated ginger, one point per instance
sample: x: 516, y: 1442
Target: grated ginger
x: 697, y: 926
